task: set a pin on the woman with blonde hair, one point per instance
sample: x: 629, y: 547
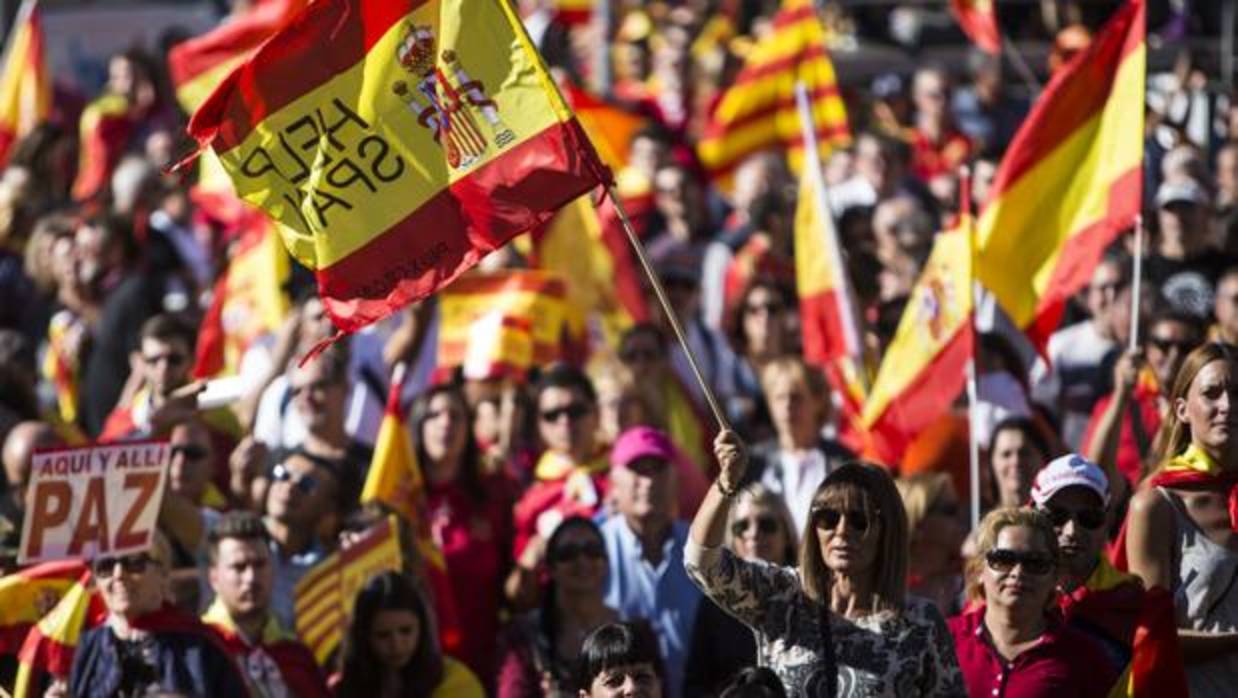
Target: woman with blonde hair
x: 937, y: 535
x: 1009, y: 643
x: 1181, y: 529
x: 842, y: 624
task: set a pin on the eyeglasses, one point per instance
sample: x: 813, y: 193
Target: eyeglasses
x: 191, y: 452
x: 104, y: 567
x: 572, y: 412
x: 305, y: 483
x: 570, y: 552
x: 765, y: 525
x: 763, y: 308
x: 828, y: 518
x: 1090, y: 519
x: 1004, y: 562
x: 173, y: 358
x: 1164, y: 345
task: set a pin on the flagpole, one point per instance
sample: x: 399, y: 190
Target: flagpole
x: 1021, y: 67
x: 1136, y: 283
x: 812, y: 158
x: 973, y: 392
x: 667, y: 310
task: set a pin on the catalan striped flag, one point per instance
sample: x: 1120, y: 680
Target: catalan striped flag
x: 49, y: 647
x: 397, y: 143
x: 1071, y: 180
x: 26, y: 82
x: 325, y: 595
x: 924, y: 366
x: 758, y: 111
x: 978, y: 20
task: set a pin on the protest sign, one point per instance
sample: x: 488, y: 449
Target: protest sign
x: 94, y: 500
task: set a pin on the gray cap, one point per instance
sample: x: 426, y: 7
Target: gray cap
x: 1185, y: 191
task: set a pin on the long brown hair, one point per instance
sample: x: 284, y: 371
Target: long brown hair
x: 873, y: 483
x: 1175, y: 435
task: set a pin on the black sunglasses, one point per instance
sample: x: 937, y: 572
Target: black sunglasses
x: 1165, y: 345
x: 766, y: 526
x: 1090, y: 519
x: 1004, y: 561
x: 767, y: 308
x: 828, y: 518
x: 572, y: 412
x: 305, y: 483
x: 569, y: 552
x: 104, y: 567
x: 189, y: 451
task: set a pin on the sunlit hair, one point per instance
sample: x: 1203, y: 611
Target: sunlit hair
x: 986, y: 539
x: 1175, y: 435
x: 920, y: 492
x: 759, y: 495
x: 869, y: 487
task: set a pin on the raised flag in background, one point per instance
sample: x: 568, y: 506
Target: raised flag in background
x: 1071, y: 180
x: 25, y: 83
x: 978, y: 20
x: 397, y: 143
x: 758, y: 111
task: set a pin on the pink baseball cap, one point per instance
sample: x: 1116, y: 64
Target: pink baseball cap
x: 642, y: 442
x: 1069, y: 470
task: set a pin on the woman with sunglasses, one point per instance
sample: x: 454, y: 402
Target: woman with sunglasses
x: 389, y: 650
x: 759, y: 529
x: 543, y: 645
x: 937, y: 535
x: 470, y: 518
x: 1182, y: 528
x: 842, y: 624
x: 1009, y: 644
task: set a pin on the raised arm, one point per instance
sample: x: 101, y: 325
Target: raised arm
x: 709, y: 524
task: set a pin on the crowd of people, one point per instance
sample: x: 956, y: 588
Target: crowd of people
x: 601, y: 534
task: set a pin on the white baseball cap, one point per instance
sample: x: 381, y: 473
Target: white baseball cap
x: 1067, y: 471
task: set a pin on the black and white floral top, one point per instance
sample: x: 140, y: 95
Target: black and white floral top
x: 901, y: 655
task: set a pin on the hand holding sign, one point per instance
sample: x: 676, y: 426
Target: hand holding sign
x: 96, y: 500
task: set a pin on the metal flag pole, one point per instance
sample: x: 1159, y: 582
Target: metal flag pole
x: 1136, y: 283
x: 973, y: 392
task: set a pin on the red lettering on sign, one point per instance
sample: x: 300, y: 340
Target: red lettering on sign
x: 92, y: 523
x: 146, y: 485
x: 51, y: 508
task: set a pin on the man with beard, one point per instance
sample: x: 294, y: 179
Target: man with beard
x: 275, y: 664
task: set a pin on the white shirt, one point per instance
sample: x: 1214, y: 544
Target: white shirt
x: 796, y: 479
x: 1071, y: 384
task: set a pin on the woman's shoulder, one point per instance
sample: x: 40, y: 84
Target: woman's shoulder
x: 458, y: 682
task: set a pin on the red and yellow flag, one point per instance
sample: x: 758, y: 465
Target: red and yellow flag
x: 49, y: 646
x: 25, y: 83
x: 978, y: 20
x: 29, y: 594
x: 758, y: 111
x: 397, y: 143
x: 924, y: 367
x: 1071, y: 180
x: 574, y: 12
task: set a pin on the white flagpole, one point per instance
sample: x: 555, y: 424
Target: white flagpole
x: 1136, y: 283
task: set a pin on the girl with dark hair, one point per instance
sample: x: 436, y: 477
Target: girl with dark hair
x: 470, y: 518
x: 388, y: 651
x: 543, y: 645
x: 1017, y: 451
x: 620, y: 659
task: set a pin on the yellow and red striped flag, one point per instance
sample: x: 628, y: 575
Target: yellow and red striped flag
x: 1071, y: 180
x: 978, y: 20
x: 574, y: 12
x: 758, y: 111
x: 924, y: 367
x: 29, y: 594
x: 49, y: 647
x: 397, y: 143
x: 25, y: 83
x: 610, y: 128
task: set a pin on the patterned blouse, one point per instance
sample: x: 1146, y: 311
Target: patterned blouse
x: 885, y: 654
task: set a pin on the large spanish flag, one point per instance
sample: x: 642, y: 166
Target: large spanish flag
x: 978, y: 20
x: 758, y: 111
x: 1071, y: 180
x: 25, y: 83
x: 397, y: 143
x: 924, y: 367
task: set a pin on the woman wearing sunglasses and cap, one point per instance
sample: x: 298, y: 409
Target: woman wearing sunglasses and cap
x: 842, y: 624
x: 1009, y: 644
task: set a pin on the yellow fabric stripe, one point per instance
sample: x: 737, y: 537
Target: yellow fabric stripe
x: 194, y: 92
x: 25, y: 86
x: 1022, y: 233
x: 814, y: 272
x: 749, y: 97
x: 488, y: 50
x: 940, y: 303
x: 783, y: 124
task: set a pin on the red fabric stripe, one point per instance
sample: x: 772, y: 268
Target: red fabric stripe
x: 926, y: 398
x: 785, y: 18
x: 209, y: 353
x: 1075, y: 93
x: 821, y: 323
x: 979, y: 25
x: 490, y: 285
x: 293, y: 62
x: 826, y: 134
x: 1082, y: 252
x: 189, y: 59
x: 458, y: 226
x: 718, y: 129
x: 628, y: 276
x: 757, y: 71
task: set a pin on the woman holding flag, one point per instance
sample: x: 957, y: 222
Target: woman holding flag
x: 1181, y: 526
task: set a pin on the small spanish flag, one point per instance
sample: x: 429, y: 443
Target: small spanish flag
x: 25, y: 83
x: 50, y: 645
x: 397, y: 143
x: 28, y: 594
